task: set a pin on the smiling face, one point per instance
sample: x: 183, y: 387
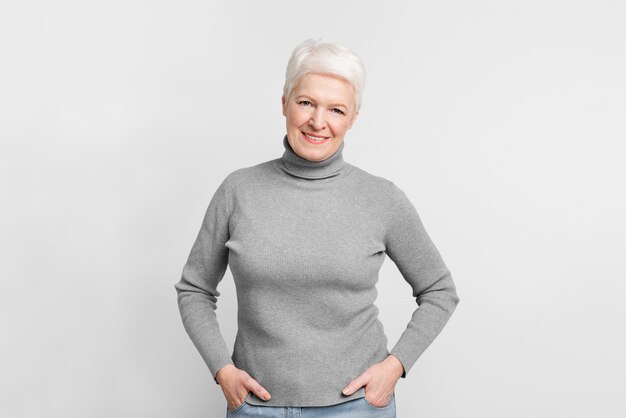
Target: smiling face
x: 319, y: 111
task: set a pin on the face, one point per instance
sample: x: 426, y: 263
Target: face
x: 319, y: 111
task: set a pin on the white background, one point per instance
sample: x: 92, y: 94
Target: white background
x: 504, y: 122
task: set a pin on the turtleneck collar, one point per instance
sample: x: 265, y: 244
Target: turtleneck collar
x: 307, y: 169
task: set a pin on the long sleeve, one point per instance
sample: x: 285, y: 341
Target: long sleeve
x: 418, y: 260
x: 197, y: 289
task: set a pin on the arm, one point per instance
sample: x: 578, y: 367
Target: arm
x: 197, y: 289
x: 418, y: 260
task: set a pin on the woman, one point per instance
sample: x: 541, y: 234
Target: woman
x: 305, y: 236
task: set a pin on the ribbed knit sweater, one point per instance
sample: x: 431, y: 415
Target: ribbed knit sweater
x: 305, y: 241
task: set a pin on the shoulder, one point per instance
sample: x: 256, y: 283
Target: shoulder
x: 376, y: 184
x: 385, y: 197
x: 248, y: 176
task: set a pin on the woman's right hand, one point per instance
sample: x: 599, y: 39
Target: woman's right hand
x: 237, y: 383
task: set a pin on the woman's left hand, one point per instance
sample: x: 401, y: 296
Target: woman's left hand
x: 379, y: 381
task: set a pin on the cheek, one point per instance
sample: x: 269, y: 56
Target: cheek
x: 296, y: 118
x: 339, y: 126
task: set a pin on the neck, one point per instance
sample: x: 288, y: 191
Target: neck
x: 301, y: 167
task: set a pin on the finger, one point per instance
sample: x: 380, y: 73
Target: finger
x: 260, y: 391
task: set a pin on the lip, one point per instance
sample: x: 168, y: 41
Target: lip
x: 312, y: 141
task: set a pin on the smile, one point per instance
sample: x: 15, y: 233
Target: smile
x: 315, y: 139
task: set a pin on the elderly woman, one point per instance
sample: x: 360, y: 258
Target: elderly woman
x: 305, y: 236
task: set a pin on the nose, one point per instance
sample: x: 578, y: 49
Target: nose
x: 318, y: 121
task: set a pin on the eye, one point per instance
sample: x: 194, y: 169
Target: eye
x: 304, y: 102
x: 339, y: 111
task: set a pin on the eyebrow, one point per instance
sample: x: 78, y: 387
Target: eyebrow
x: 332, y: 104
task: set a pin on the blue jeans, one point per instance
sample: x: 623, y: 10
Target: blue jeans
x: 355, y: 408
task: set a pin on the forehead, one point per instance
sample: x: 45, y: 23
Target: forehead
x: 325, y: 88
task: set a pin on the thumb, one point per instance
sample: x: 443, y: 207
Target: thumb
x: 260, y: 391
x: 354, y: 385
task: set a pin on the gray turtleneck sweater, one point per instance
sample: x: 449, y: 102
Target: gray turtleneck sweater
x: 305, y: 242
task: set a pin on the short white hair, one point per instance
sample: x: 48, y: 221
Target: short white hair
x: 315, y: 56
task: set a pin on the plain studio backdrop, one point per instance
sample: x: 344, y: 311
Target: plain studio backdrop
x: 502, y: 121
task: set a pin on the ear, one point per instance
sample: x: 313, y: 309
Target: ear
x: 284, y: 104
x: 353, y: 119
